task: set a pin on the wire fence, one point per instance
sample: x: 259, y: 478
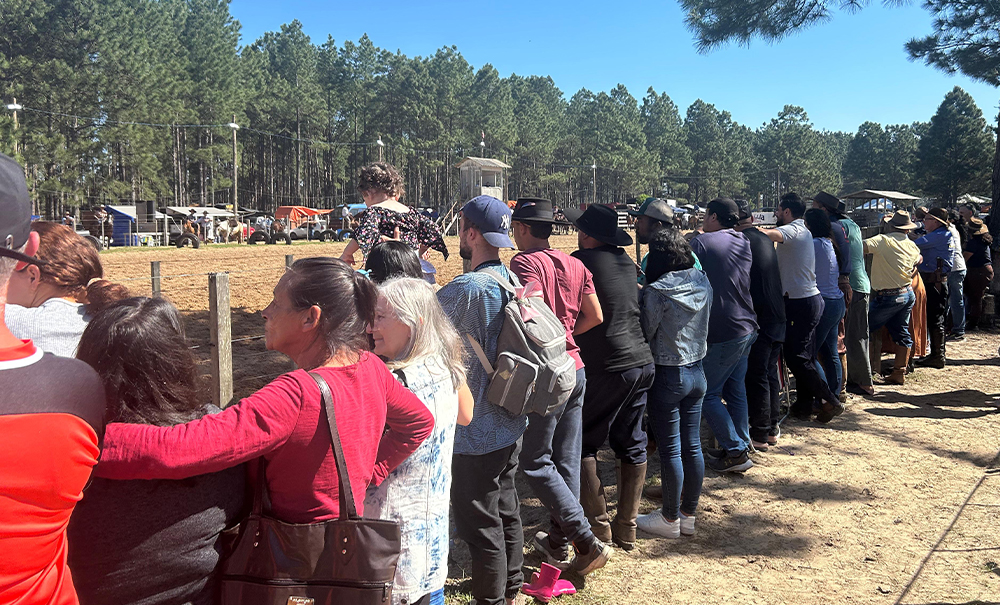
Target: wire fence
x: 224, y: 327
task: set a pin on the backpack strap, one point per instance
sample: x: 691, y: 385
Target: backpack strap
x: 504, y: 283
x: 481, y: 354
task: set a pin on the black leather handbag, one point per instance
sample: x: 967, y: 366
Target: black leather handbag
x: 346, y: 560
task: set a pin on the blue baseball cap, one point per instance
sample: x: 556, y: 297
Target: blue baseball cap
x: 491, y: 217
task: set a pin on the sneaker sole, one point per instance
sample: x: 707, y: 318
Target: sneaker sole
x: 544, y: 554
x: 658, y: 534
x: 598, y: 562
x: 738, y: 468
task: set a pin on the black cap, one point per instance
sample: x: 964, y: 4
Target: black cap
x: 726, y: 209
x: 15, y: 211
x: 744, y: 209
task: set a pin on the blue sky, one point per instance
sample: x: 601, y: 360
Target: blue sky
x: 843, y: 72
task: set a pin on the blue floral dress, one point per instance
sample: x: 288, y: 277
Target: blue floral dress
x: 417, y: 493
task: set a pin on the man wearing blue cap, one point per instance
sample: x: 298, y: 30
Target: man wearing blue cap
x: 484, y: 500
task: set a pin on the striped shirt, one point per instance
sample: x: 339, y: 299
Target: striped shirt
x: 474, y: 303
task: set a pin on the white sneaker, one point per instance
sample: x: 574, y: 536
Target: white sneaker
x: 655, y: 524
x: 687, y: 525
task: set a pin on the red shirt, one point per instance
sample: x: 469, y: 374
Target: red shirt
x: 51, y: 419
x: 282, y: 422
x: 564, y: 280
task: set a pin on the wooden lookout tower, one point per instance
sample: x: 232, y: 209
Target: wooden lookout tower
x: 482, y: 176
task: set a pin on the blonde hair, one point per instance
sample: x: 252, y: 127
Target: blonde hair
x: 431, y: 333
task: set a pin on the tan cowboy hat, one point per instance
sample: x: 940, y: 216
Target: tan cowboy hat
x: 900, y: 220
x: 977, y: 226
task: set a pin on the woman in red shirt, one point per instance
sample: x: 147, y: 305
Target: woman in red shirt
x: 318, y: 317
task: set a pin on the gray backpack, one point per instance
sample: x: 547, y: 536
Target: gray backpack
x: 533, y: 373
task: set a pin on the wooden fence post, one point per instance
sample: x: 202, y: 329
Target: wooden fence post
x: 154, y: 272
x: 289, y: 260
x: 221, y: 335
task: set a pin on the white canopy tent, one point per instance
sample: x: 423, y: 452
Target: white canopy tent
x: 199, y: 211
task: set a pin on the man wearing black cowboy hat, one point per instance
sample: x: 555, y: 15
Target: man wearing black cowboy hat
x: 937, y: 248
x: 855, y: 285
x: 51, y: 426
x: 620, y: 372
x: 550, y: 454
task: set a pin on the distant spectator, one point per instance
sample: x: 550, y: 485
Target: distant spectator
x: 978, y: 259
x: 171, y: 528
x: 937, y: 248
x: 956, y: 278
x: 51, y: 303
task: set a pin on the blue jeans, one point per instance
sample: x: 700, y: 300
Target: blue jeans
x: 725, y: 373
x: 826, y: 341
x: 675, y: 418
x: 956, y: 300
x: 550, y: 458
x: 893, y: 312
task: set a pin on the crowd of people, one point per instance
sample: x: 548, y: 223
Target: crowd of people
x: 117, y: 482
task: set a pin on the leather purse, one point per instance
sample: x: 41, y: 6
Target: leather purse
x: 345, y: 560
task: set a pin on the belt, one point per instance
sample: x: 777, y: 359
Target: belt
x: 892, y: 291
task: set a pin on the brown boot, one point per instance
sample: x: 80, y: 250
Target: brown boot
x: 899, y: 367
x: 631, y: 478
x: 592, y: 499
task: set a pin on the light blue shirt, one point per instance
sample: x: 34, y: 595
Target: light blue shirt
x: 474, y: 303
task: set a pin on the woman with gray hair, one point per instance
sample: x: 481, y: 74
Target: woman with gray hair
x: 413, y: 335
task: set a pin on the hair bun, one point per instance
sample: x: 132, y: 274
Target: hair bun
x: 101, y: 294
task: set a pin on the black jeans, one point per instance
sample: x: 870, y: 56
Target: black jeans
x: 763, y: 386
x: 937, y: 303
x: 802, y: 316
x: 612, y: 411
x: 488, y: 518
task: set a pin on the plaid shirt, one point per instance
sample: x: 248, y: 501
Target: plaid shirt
x: 474, y: 303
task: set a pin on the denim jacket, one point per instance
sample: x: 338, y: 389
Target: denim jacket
x: 675, y: 311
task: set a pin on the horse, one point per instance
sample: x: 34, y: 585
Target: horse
x: 232, y: 231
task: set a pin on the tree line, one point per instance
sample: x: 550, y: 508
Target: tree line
x: 132, y: 100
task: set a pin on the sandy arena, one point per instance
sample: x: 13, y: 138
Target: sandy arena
x: 874, y: 508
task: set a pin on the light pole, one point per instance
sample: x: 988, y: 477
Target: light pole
x: 15, y: 107
x: 236, y: 203
x: 594, y: 168
x: 380, y: 146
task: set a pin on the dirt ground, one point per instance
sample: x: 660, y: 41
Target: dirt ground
x: 896, y: 501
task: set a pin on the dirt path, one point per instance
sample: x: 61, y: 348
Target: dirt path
x: 843, y: 513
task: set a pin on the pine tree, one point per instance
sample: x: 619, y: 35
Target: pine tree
x: 954, y: 154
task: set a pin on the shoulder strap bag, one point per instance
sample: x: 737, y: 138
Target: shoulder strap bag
x: 345, y: 560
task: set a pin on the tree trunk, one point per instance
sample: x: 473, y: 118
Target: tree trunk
x: 994, y: 224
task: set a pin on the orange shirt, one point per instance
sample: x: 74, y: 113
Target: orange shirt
x: 51, y: 420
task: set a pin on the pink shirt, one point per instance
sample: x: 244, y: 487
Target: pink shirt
x: 283, y: 423
x: 564, y: 280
